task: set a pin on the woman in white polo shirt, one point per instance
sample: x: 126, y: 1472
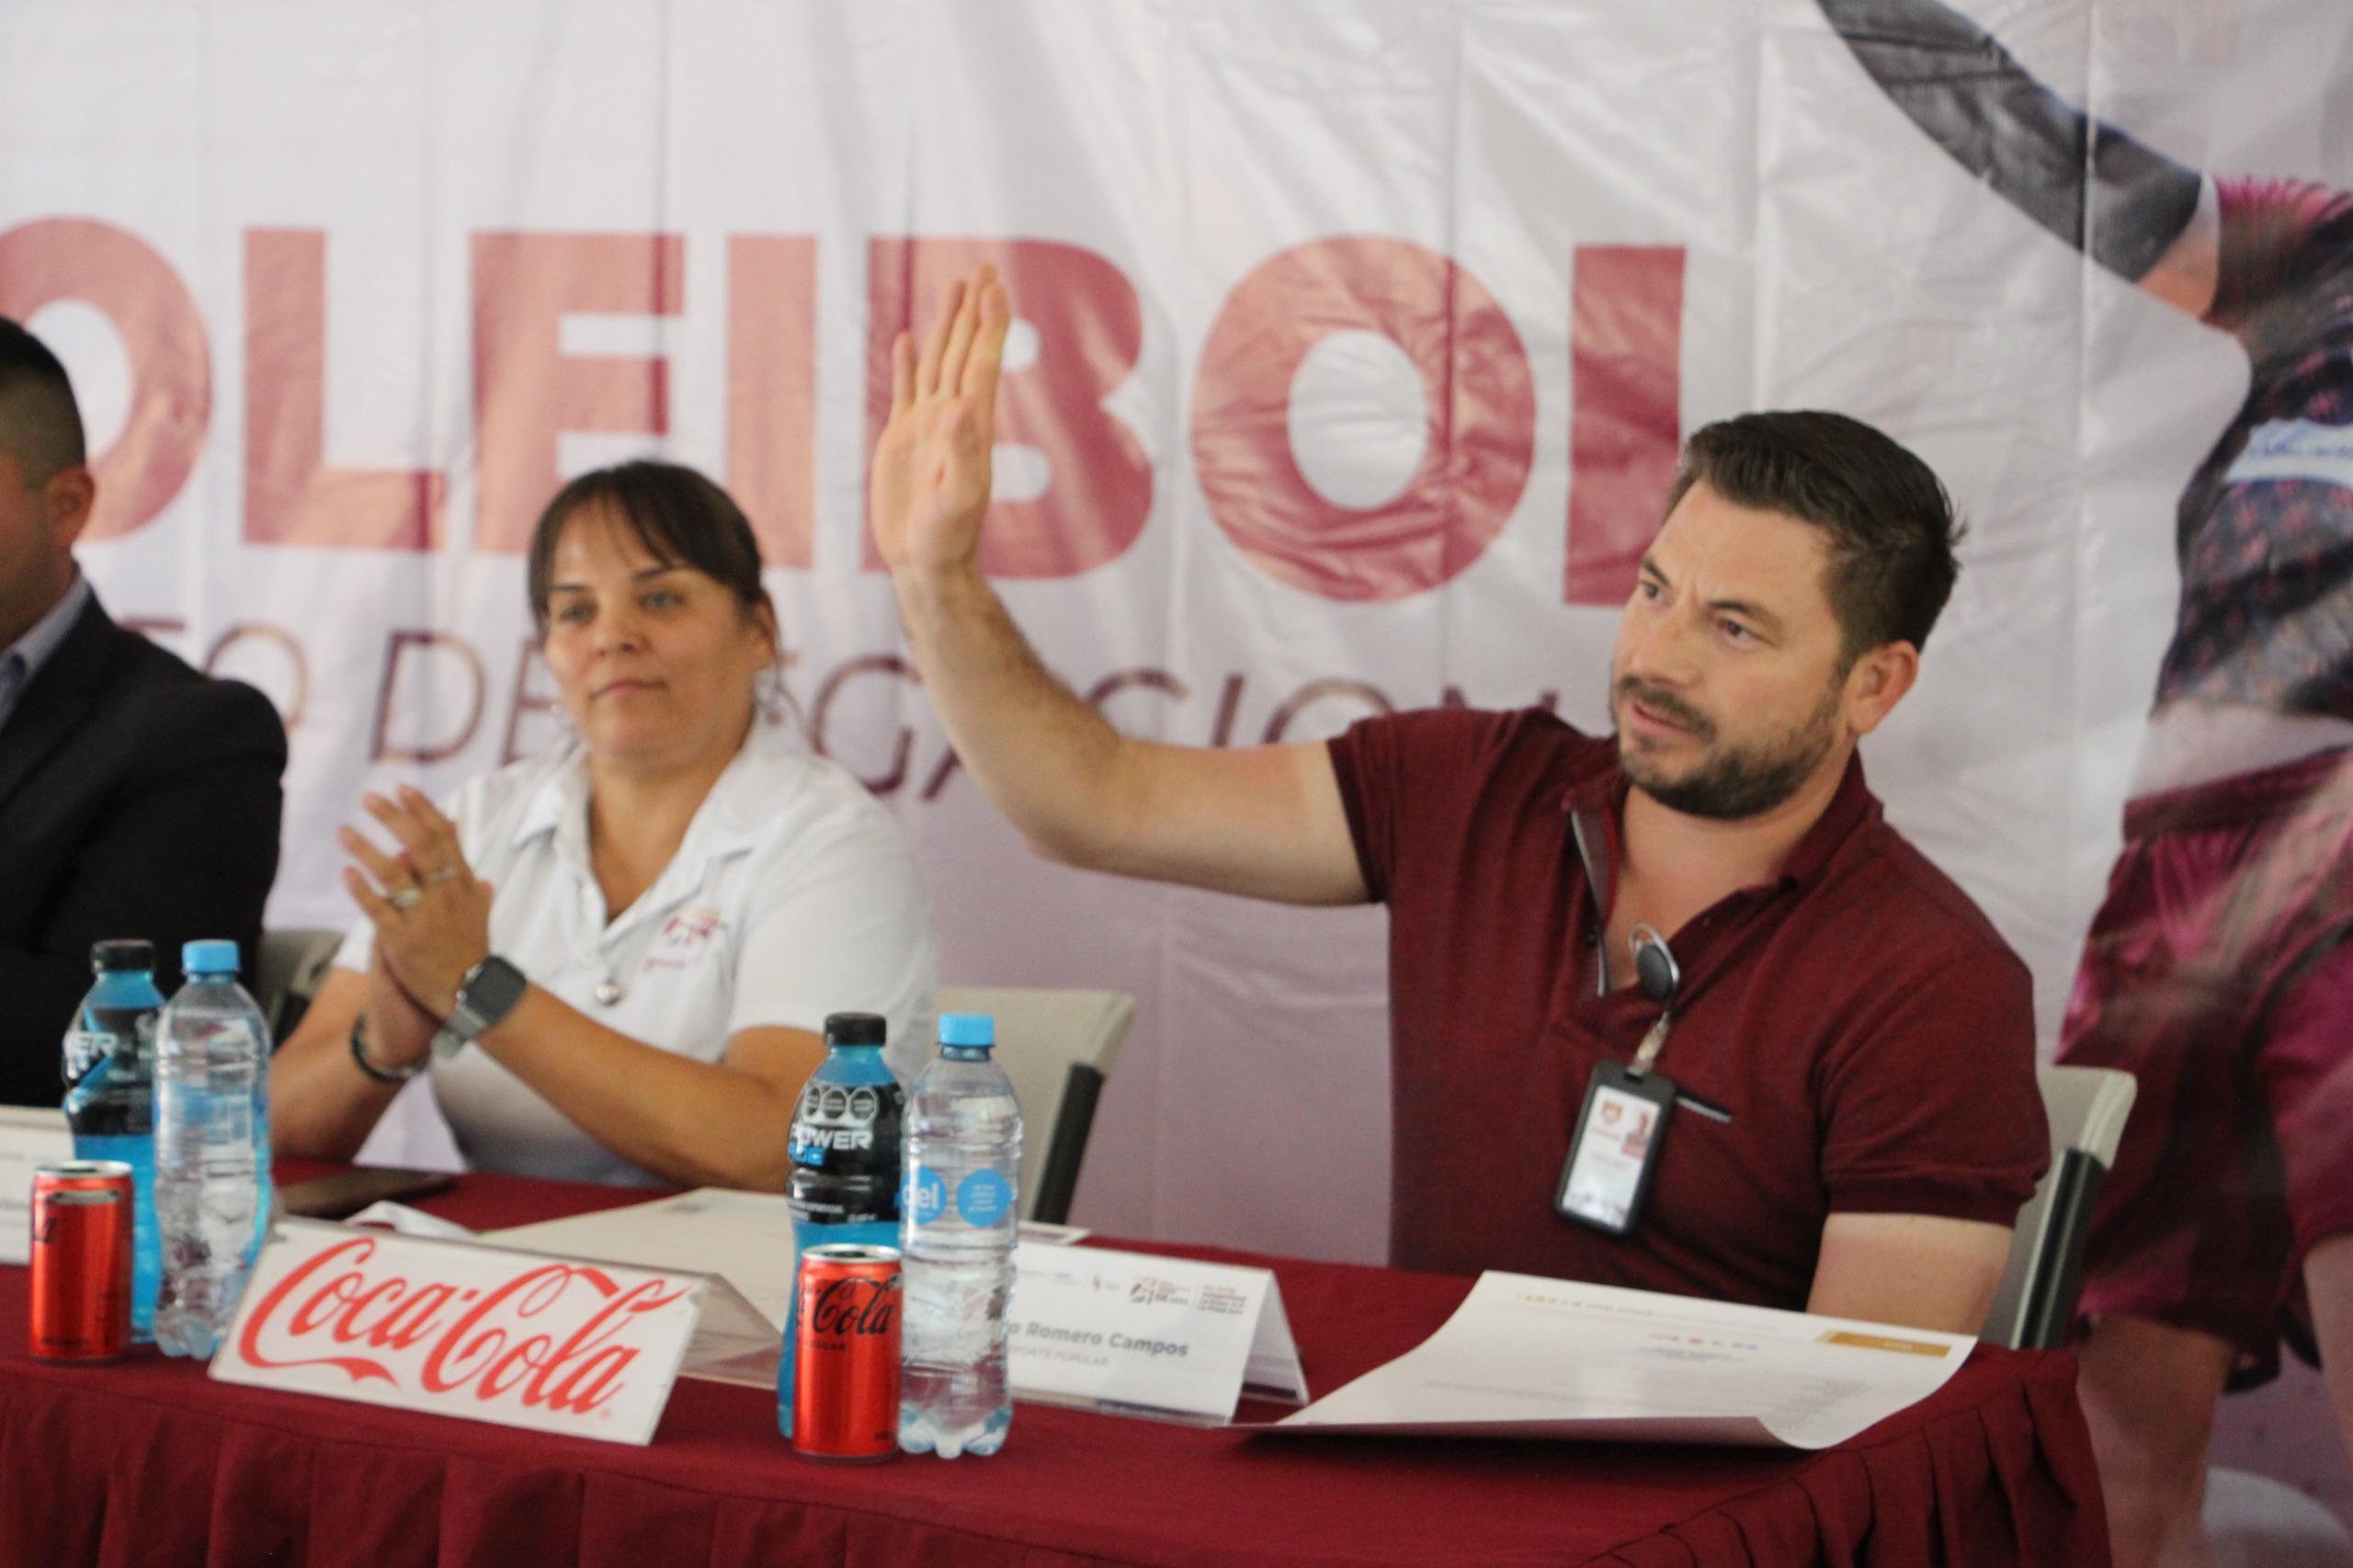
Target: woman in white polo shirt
x: 617, y: 959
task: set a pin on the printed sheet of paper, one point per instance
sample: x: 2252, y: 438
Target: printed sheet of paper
x: 410, y: 1222
x: 1530, y: 1357
x: 743, y: 1237
x: 742, y: 1241
x: 29, y: 1136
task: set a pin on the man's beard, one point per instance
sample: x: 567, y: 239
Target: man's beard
x: 1733, y: 782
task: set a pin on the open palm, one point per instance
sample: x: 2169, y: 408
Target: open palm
x: 931, y: 473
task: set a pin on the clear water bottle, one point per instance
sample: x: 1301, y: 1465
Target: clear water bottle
x: 963, y: 1165
x: 109, y: 1062
x: 844, y: 1186
x: 212, y: 1148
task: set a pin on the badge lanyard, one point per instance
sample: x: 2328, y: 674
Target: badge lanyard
x: 1623, y: 1125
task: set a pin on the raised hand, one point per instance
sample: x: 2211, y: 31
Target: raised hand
x: 431, y: 912
x: 931, y: 473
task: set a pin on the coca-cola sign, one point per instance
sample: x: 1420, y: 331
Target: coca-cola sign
x: 554, y: 1345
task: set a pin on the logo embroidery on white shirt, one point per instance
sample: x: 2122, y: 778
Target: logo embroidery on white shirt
x: 686, y: 938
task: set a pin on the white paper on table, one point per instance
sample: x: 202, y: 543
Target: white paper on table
x: 409, y: 1222
x: 741, y: 1241
x: 29, y: 1136
x: 1047, y: 1234
x: 1140, y: 1335
x: 744, y: 1238
x: 732, y: 1343
x: 1530, y: 1358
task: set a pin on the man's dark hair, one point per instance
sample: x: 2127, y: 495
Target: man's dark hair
x: 40, y: 426
x: 1890, y: 523
x: 681, y: 518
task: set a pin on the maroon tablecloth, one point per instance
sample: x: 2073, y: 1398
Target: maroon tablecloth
x: 149, y: 1462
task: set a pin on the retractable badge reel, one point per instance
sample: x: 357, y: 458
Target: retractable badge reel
x: 1627, y: 1105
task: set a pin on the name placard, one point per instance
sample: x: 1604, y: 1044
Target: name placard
x: 457, y: 1329
x: 1147, y: 1335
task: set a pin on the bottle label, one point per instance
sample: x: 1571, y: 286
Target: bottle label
x: 229, y: 1119
x: 927, y: 1196
x: 837, y: 1122
x: 982, y: 1197
x: 845, y: 1146
x: 82, y: 1050
x: 103, y: 1032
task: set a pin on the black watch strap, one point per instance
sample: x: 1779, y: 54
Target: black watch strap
x: 381, y: 1075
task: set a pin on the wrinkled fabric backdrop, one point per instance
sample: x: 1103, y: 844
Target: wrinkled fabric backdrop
x: 1358, y: 340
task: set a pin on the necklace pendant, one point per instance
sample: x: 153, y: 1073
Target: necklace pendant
x: 608, y: 992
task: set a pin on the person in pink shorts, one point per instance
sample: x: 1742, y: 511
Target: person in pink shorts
x: 2219, y: 970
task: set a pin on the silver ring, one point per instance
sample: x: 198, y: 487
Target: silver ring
x: 405, y: 898
x: 443, y: 875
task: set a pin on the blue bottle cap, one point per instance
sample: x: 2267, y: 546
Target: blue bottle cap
x: 215, y: 956
x: 968, y: 1029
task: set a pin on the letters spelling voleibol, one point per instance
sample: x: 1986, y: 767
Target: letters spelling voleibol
x: 587, y: 1348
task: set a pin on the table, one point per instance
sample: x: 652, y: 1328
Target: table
x: 150, y: 1462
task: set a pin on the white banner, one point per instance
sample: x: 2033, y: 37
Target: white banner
x: 1360, y: 337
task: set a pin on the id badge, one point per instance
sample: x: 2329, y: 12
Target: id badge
x: 1615, y: 1148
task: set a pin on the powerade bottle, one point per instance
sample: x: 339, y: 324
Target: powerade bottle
x: 212, y: 1148
x: 964, y: 1166
x: 110, y: 1098
x: 845, y: 1181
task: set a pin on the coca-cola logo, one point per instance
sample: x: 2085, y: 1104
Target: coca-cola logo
x: 543, y: 1337
x: 853, y: 1307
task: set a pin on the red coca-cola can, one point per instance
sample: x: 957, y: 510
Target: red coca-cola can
x: 81, y: 1261
x: 845, y: 1398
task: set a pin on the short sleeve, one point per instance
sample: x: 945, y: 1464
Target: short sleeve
x: 359, y: 948
x: 1930, y: 1105
x: 839, y: 923
x: 1402, y: 775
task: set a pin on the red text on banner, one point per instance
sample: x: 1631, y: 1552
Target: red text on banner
x: 1090, y: 328
x: 1475, y: 385
x: 528, y: 392
x: 293, y: 496
x: 114, y: 272
x: 1626, y: 416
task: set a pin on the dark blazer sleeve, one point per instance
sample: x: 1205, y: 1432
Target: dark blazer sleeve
x: 183, y: 845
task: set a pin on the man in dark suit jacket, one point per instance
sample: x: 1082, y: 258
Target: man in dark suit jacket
x: 137, y: 797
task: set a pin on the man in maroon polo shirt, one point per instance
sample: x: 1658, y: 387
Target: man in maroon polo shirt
x: 1855, y: 1122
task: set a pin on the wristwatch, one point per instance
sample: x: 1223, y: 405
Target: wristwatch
x: 485, y: 996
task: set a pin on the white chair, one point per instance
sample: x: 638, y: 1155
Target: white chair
x: 2254, y: 1521
x: 288, y: 972
x: 1057, y: 1047
x: 2086, y: 1107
